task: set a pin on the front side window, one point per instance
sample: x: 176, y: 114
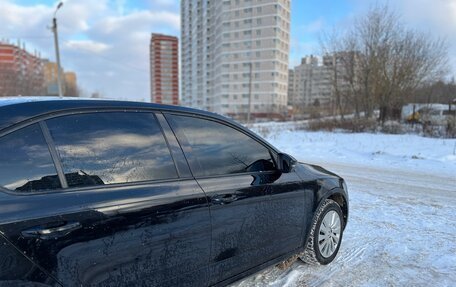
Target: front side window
x: 111, y: 147
x: 25, y: 162
x: 217, y: 149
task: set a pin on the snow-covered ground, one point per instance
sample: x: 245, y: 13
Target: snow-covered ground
x: 402, y: 222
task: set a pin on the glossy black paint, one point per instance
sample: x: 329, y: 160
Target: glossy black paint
x: 189, y: 231
x: 125, y: 231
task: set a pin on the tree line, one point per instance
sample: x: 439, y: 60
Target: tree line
x: 378, y: 63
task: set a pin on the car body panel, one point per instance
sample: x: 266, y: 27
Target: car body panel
x: 125, y: 232
x: 191, y: 231
x: 262, y: 219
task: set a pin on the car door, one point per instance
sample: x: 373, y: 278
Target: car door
x: 115, y: 211
x: 257, y: 211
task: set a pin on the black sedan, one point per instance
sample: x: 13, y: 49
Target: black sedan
x: 110, y: 193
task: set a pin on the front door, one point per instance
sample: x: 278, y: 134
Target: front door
x: 257, y: 211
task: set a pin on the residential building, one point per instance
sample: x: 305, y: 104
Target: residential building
x: 71, y: 84
x: 50, y: 76
x: 235, y: 56
x: 327, y: 83
x: 164, y: 71
x: 21, y: 73
x: 312, y: 85
x: 69, y: 80
x: 291, y: 86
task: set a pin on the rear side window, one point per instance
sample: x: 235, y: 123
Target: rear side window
x: 217, y: 149
x: 25, y: 162
x: 112, y: 147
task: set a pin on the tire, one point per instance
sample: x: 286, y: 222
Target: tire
x: 326, y: 231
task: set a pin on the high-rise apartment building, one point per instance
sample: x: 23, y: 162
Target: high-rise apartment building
x: 21, y: 73
x: 291, y: 86
x: 311, y: 84
x: 164, y: 71
x: 325, y: 82
x: 235, y: 56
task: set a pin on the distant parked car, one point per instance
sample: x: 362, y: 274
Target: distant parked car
x: 109, y: 193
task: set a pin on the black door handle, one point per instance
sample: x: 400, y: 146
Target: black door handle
x: 223, y: 198
x: 51, y: 232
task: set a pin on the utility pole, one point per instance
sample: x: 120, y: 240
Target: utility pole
x: 57, y: 53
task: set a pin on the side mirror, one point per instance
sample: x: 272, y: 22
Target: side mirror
x: 285, y: 162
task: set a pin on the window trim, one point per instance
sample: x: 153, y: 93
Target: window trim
x: 73, y: 111
x: 178, y: 156
x: 185, y: 145
x: 54, y: 154
x: 154, y: 114
x: 43, y: 118
x: 18, y: 127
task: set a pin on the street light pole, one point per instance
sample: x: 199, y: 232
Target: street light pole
x: 57, y: 53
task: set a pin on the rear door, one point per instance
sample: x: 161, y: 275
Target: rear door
x: 122, y: 211
x: 257, y: 212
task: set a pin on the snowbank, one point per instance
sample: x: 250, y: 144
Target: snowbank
x: 411, y: 152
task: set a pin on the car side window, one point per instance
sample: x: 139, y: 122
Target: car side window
x: 111, y: 147
x: 25, y: 161
x: 217, y: 149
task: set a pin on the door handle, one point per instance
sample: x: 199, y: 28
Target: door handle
x: 51, y: 232
x: 223, y: 198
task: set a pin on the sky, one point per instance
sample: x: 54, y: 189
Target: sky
x: 106, y: 42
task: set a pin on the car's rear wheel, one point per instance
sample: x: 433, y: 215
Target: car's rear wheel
x: 325, y: 235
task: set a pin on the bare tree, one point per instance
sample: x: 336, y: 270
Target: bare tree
x: 380, y: 63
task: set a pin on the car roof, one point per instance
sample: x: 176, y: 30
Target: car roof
x: 20, y: 109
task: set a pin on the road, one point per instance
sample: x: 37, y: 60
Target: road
x: 401, y: 232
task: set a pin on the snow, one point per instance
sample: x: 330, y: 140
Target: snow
x: 402, y: 223
x: 409, y: 152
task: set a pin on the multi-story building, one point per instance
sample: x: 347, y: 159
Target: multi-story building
x: 50, y: 77
x: 69, y: 80
x: 164, y: 71
x: 235, y: 56
x: 291, y: 86
x: 312, y: 85
x: 71, y: 84
x: 326, y: 83
x: 21, y: 73
x: 344, y: 67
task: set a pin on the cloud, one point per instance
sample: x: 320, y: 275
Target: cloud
x: 87, y: 45
x: 315, y: 26
x: 106, y: 42
x: 434, y: 17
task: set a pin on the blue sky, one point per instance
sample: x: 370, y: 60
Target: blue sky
x: 106, y: 41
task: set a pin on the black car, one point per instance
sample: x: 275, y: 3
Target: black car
x: 110, y: 193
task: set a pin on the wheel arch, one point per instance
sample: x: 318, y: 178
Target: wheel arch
x: 340, y: 197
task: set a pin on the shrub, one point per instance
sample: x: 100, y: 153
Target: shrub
x: 352, y: 125
x: 392, y: 127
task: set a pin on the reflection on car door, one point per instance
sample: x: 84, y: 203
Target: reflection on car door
x: 127, y: 217
x: 257, y: 212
